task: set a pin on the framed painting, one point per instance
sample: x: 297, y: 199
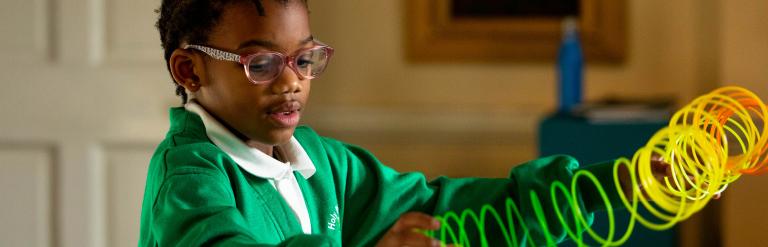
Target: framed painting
x: 511, y: 30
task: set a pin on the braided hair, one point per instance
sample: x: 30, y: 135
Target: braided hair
x: 192, y: 21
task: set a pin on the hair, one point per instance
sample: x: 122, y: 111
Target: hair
x: 192, y: 21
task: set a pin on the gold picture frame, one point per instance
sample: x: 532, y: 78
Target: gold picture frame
x: 434, y: 35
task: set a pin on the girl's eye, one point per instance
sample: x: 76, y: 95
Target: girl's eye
x: 257, y: 68
x: 307, y: 59
x: 259, y: 65
x: 304, y: 62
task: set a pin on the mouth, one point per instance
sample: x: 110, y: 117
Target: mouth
x: 285, y: 115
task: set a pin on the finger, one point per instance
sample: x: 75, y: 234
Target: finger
x: 414, y: 238
x: 416, y: 220
x: 661, y: 168
x: 655, y: 157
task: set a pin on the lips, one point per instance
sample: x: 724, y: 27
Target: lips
x: 285, y: 114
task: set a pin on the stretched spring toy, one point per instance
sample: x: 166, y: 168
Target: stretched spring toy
x: 708, y: 144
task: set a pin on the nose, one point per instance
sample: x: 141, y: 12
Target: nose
x: 287, y: 82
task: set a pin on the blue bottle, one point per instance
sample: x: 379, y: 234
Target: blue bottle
x: 570, y: 68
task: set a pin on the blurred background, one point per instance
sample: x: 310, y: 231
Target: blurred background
x: 85, y: 96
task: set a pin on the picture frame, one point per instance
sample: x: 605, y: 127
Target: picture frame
x: 434, y: 34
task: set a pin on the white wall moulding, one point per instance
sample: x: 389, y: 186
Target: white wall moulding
x: 26, y: 32
x: 26, y: 175
x: 126, y: 32
x: 124, y: 174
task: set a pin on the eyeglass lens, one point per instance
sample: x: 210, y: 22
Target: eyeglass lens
x: 309, y: 64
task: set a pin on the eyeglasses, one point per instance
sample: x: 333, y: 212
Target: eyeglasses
x: 265, y: 66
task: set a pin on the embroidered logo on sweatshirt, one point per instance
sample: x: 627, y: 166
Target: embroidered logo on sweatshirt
x: 334, y: 220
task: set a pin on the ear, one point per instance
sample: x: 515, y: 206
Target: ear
x: 187, y: 69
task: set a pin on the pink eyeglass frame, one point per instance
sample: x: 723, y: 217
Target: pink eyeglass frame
x: 246, y: 58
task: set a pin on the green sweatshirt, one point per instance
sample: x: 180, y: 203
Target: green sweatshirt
x: 197, y: 195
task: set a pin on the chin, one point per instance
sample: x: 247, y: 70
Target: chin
x: 280, y: 136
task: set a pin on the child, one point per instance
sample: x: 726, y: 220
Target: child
x: 234, y: 168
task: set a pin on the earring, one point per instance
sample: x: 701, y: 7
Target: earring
x: 193, y: 84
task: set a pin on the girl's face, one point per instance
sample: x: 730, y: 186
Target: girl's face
x: 265, y: 114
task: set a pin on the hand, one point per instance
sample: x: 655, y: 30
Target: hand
x: 405, y: 231
x: 660, y: 170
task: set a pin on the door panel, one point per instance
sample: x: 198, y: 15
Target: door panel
x: 84, y: 101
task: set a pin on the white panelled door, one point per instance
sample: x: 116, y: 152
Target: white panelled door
x: 83, y: 103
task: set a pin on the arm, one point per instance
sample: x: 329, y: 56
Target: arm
x: 377, y: 195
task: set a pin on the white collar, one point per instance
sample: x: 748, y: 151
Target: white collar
x: 251, y: 159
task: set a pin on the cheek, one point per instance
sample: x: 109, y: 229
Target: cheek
x: 230, y: 74
x: 229, y: 82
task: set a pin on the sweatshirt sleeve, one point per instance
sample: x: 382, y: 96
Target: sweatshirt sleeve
x: 376, y: 196
x: 196, y: 207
